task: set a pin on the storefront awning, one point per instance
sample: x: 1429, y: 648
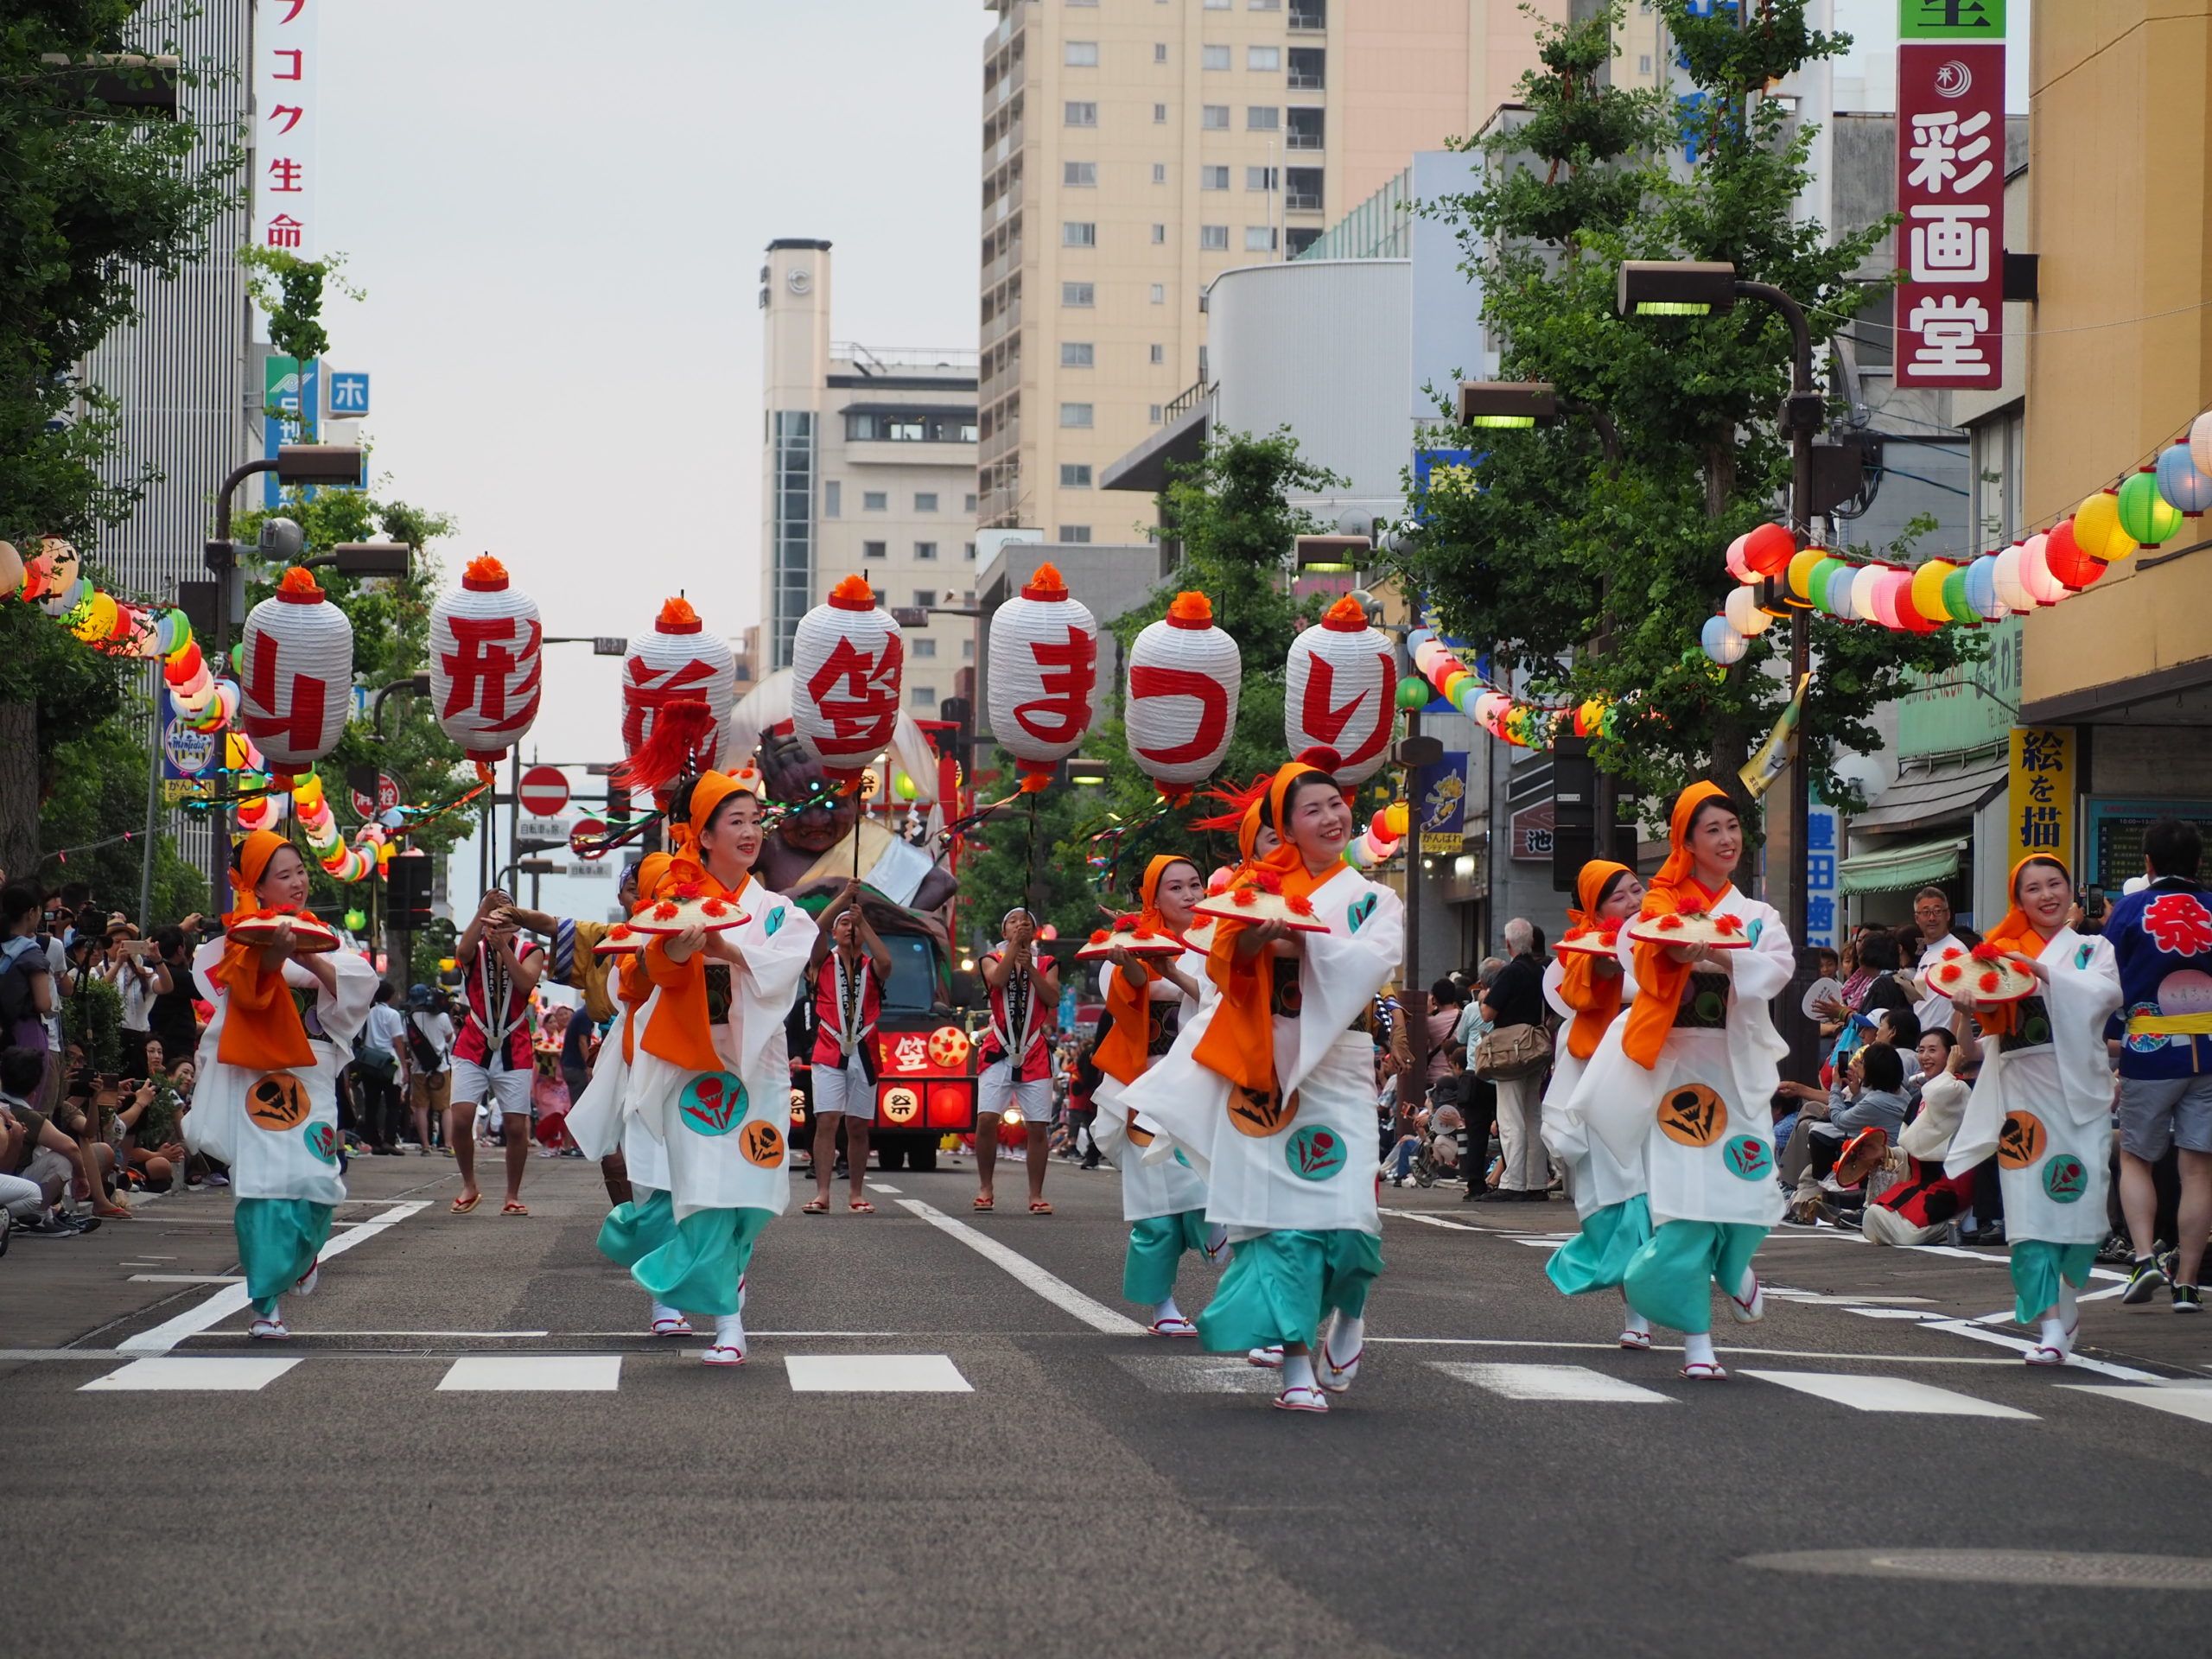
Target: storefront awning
x: 1924, y: 797
x: 1891, y: 869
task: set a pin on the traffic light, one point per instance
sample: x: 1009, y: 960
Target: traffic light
x: 961, y: 713
x: 1574, y: 814
x: 407, y: 897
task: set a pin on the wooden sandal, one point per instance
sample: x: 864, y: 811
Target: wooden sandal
x: 983, y: 1206
x: 1039, y: 1207
x: 815, y: 1207
x: 860, y: 1207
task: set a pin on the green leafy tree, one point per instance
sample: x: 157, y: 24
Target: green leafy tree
x: 1591, y: 570
x: 290, y: 290
x: 96, y: 792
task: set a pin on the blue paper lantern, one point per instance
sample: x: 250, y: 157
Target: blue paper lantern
x: 1981, y: 589
x: 2181, y: 484
x: 1721, y: 642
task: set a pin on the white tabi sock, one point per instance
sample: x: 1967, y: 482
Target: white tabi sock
x: 2057, y: 1333
x: 1697, y: 1348
x: 1297, y: 1371
x: 729, y: 1331
x: 2069, y: 1304
x: 1167, y: 1310
x: 1636, y: 1323
x: 663, y: 1310
x: 1747, y: 1285
x: 1344, y: 1340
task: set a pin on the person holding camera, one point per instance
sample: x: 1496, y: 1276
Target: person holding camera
x: 1017, y: 1060
x: 136, y: 969
x: 491, y: 1062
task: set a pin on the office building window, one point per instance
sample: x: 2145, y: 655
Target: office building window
x: 1079, y: 294
x: 1213, y: 178
x: 1306, y: 63
x: 924, y: 598
x: 1074, y: 414
x: 1079, y: 175
x: 1213, y: 57
x: 875, y: 550
x: 790, y: 549
x: 1213, y: 239
x: 1082, y: 55
x: 969, y: 551
x: 1259, y: 238
x: 925, y: 551
x: 921, y: 696
x: 1158, y: 414
x: 1160, y: 353
x: 1259, y: 178
x: 833, y: 499
x: 1074, y: 477
x: 925, y: 501
x: 1078, y: 354
x: 1314, y: 14
x: 1296, y: 240
x: 1643, y: 63
x: 923, y: 646
x: 876, y: 500
x: 1160, y: 114
x: 1218, y: 5
x: 1159, y: 235
x: 1160, y: 51
x: 1302, y: 189
x: 967, y: 646
x: 1078, y: 234
x: 1160, y: 292
x: 1305, y: 128
x: 1082, y: 115
x: 1160, y: 172
x: 1263, y: 59
x: 971, y: 504
x: 1266, y: 5
x: 1262, y: 117
x: 1214, y: 117
x: 1075, y: 533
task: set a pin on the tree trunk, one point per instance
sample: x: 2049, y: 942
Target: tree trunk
x: 19, y: 791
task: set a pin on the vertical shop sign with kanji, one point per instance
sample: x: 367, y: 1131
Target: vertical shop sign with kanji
x: 2041, y: 807
x: 1822, y: 862
x: 1950, y: 307
x: 285, y: 64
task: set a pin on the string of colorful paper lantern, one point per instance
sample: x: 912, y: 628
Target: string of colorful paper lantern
x: 1508, y: 718
x: 1776, y: 577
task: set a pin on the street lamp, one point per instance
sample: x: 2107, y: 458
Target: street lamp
x: 1509, y: 404
x: 1083, y: 771
x: 363, y: 559
x: 1331, y: 554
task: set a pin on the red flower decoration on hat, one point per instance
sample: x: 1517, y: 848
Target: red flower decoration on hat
x: 664, y: 911
x: 1099, y: 936
x: 1247, y: 897
x: 1300, y: 905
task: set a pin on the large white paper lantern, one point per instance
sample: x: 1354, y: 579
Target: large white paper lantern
x: 1340, y: 688
x: 486, y: 667
x: 676, y: 661
x: 296, y: 674
x: 1180, y: 701
x: 847, y: 658
x: 1043, y: 664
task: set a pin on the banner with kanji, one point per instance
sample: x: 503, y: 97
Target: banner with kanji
x: 285, y: 64
x: 1950, y: 307
x: 2040, y: 812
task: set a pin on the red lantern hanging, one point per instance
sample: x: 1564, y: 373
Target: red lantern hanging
x: 2068, y: 561
x: 486, y: 667
x: 1043, y: 664
x: 1181, y: 696
x: 1767, y: 549
x: 296, y: 685
x: 1340, y: 691
x: 847, y: 656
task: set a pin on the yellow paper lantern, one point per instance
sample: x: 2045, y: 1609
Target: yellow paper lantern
x: 1396, y: 819
x: 95, y: 620
x: 2096, y: 527
x: 1927, y: 590
x: 1800, y: 581
x: 306, y: 793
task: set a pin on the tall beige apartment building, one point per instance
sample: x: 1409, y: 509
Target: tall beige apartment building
x: 1133, y: 150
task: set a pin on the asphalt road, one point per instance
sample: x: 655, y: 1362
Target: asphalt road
x: 1046, y: 1481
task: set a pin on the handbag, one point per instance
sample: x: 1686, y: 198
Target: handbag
x: 1512, y: 1052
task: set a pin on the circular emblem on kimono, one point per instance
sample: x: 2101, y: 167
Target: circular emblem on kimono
x: 322, y: 1142
x: 277, y: 1100
x: 900, y: 1105
x: 1692, y: 1115
x: 2144, y: 1042
x: 948, y: 1048
x: 2020, y: 1142
x: 762, y: 1144
x: 2035, y: 1023
x: 713, y: 1102
x: 2065, y: 1178
x: 1748, y: 1158
x: 1260, y: 1112
x: 1711, y: 1007
x: 1140, y: 1137
x: 1314, y: 1153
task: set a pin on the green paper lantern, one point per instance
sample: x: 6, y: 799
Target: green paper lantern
x: 1955, y: 597
x: 1412, y: 692
x: 2143, y: 513
x: 1816, y: 585
x: 355, y: 921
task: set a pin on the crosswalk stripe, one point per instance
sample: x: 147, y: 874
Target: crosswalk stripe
x: 533, y: 1374
x: 876, y: 1374
x: 1576, y: 1383
x: 2182, y: 1402
x: 1902, y: 1393
x: 171, y: 1374
x: 1199, y: 1373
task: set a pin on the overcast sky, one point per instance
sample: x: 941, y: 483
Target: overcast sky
x: 557, y: 210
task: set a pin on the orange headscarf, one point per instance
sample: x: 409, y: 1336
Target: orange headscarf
x: 261, y: 1028
x: 1121, y: 1052
x: 2015, y: 932
x: 681, y: 1028
x: 1675, y: 891
x: 1595, y: 997
x: 1239, y: 1044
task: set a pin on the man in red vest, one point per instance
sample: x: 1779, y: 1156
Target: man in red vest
x: 492, y: 1063
x: 850, y: 964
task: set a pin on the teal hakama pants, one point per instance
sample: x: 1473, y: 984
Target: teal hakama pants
x: 1280, y: 1285
x: 693, y: 1264
x: 1597, y: 1258
x: 1670, y: 1280
x: 278, y: 1242
x: 1156, y: 1247
x: 2037, y: 1266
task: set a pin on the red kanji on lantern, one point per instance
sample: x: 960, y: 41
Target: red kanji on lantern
x: 298, y: 685
x: 1043, y: 663
x: 847, y: 658
x: 485, y: 668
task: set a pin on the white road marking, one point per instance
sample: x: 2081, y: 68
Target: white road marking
x: 876, y: 1374
x: 1769, y: 1353
x: 169, y: 1374
x: 2188, y: 1401
x: 880, y: 1187
x: 1576, y: 1383
x: 1815, y: 1299
x: 187, y: 1278
x: 1433, y: 1221
x: 534, y: 1374
x: 231, y: 1299
x: 1054, y: 1289
x: 2020, y: 1345
x: 1199, y: 1373
x: 1913, y: 1313
x: 1886, y: 1394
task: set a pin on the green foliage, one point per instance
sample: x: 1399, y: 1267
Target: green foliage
x: 96, y: 789
x: 290, y: 289
x: 1230, y: 512
x: 1593, y: 573
x: 92, y: 197
x: 91, y: 1019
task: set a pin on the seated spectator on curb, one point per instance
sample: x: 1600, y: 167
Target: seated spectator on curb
x: 1869, y: 1096
x: 1921, y: 1206
x: 149, y: 1125
x: 34, y: 1153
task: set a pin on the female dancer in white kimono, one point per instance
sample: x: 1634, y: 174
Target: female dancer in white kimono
x: 1270, y: 1092
x: 1148, y: 999
x: 711, y: 1083
x: 266, y: 1102
x: 1685, y: 1081
x: 2043, y: 1102
x: 1587, y: 991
